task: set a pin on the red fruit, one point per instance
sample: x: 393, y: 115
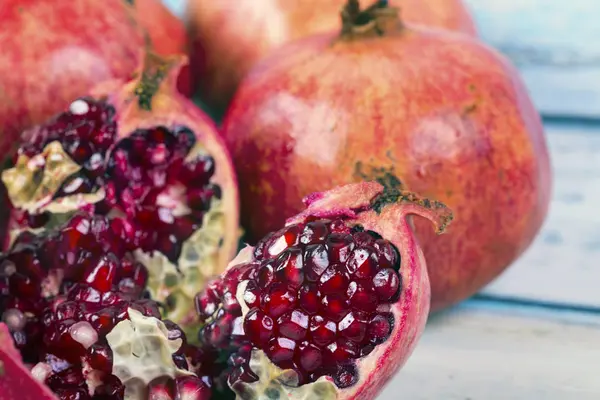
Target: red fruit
x: 229, y: 38
x: 145, y: 154
x: 330, y: 336
x: 339, y: 108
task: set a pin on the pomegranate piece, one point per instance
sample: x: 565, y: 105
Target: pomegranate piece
x: 147, y: 161
x: 329, y: 325
x: 442, y: 134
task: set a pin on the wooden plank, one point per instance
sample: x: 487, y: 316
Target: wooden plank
x: 552, y: 44
x: 481, y: 352
x: 561, y: 266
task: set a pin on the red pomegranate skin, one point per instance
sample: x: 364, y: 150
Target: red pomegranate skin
x: 229, y: 37
x: 448, y: 114
x: 15, y: 380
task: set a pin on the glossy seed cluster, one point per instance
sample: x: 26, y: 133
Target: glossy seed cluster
x: 62, y: 292
x: 148, y: 175
x: 318, y: 296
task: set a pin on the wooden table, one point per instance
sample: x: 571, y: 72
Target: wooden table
x: 534, y: 333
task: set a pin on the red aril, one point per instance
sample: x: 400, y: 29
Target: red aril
x: 450, y: 116
x: 331, y: 305
x: 228, y: 38
x: 148, y: 161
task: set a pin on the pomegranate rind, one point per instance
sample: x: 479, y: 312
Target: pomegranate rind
x: 16, y: 382
x: 387, y: 211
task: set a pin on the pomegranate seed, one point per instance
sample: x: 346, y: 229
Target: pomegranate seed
x: 310, y: 357
x: 316, y: 261
x: 333, y: 280
x: 265, y: 274
x: 309, y: 298
x: 386, y: 283
x: 346, y: 376
x: 342, y: 350
x: 353, y: 326
x: 322, y: 331
x: 99, y: 357
x: 289, y: 267
x: 334, y: 306
x: 340, y: 246
x: 389, y: 256
x: 252, y: 295
x: 281, y: 349
x: 101, y: 275
x: 379, y: 329
x: 258, y: 326
x: 314, y: 232
x: 362, y: 297
x: 363, y: 263
x: 278, y: 301
x: 293, y: 325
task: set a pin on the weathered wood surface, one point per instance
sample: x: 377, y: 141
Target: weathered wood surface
x: 485, y: 352
x: 562, y: 264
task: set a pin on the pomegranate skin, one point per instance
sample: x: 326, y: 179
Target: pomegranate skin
x: 228, y: 38
x: 454, y: 123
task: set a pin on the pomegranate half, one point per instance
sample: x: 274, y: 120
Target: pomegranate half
x: 228, y: 38
x: 447, y: 114
x: 145, y: 158
x: 329, y: 306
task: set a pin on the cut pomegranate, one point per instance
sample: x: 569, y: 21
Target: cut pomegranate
x: 149, y: 161
x: 333, y: 302
x: 74, y: 300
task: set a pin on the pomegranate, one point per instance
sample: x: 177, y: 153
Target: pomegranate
x: 453, y: 122
x: 57, y: 50
x: 329, y: 306
x: 73, y: 300
x: 228, y: 38
x: 144, y: 157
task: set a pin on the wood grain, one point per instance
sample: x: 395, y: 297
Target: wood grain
x: 561, y: 266
x: 484, y: 352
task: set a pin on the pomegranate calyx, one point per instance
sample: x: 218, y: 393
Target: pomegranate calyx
x: 375, y: 20
x: 142, y: 352
x: 277, y: 383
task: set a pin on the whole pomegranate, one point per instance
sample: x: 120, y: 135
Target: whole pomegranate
x: 145, y: 158
x: 229, y: 37
x: 55, y: 50
x: 331, y: 305
x: 450, y: 116
x: 73, y: 299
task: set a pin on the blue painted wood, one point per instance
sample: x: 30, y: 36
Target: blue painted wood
x: 553, y: 43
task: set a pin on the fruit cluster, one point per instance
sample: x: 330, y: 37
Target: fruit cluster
x: 120, y: 211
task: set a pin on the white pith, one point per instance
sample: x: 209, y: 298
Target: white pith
x: 142, y: 352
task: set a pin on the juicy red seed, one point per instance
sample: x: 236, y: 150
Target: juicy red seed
x: 386, y: 283
x: 339, y: 246
x: 258, y: 327
x: 363, y: 263
x: 346, y: 376
x: 339, y: 226
x: 99, y: 357
x: 290, y: 267
x: 279, y: 300
x: 388, y: 254
x: 283, y: 239
x: 252, y: 295
x: 353, y: 326
x: 191, y: 387
x: 309, y: 298
x: 322, y: 331
x: 361, y: 297
x: 342, y: 350
x: 281, y: 349
x: 379, y: 329
x: 333, y: 280
x: 314, y: 232
x: 310, y: 357
x: 334, y: 306
x: 265, y: 275
x: 293, y: 325
x: 316, y: 261
x: 100, y: 275
x: 365, y: 238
